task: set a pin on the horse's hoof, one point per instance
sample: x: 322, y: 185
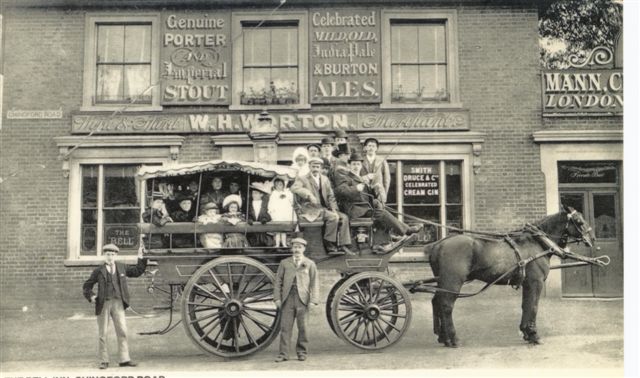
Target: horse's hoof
x: 441, y: 340
x: 535, y: 341
x: 450, y: 344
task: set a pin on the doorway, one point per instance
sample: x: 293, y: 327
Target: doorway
x: 593, y: 188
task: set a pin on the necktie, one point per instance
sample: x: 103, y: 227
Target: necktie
x: 112, y: 268
x: 296, y: 262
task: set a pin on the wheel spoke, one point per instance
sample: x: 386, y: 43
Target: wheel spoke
x: 246, y: 331
x: 346, y: 298
x: 235, y: 333
x: 222, y: 332
x: 360, y: 293
x: 256, y: 287
x: 211, y: 330
x: 263, y: 326
x: 204, y: 317
x: 344, y: 307
x: 355, y: 329
x: 200, y: 304
x: 258, y: 295
x: 365, y: 333
x: 215, y: 279
x: 346, y: 328
x: 397, y: 303
x: 267, y: 312
x: 212, y: 295
x: 390, y: 324
x: 393, y: 315
x: 242, y: 276
x: 380, y: 286
x: 386, y: 336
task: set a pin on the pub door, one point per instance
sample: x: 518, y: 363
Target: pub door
x: 601, y: 209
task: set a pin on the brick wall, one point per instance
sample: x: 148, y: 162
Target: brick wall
x: 500, y: 85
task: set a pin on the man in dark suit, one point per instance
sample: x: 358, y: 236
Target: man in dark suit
x: 316, y: 200
x: 357, y: 199
x: 295, y: 288
x: 112, y: 299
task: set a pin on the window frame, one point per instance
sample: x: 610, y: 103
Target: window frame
x: 451, y: 22
x: 90, y: 71
x: 237, y: 78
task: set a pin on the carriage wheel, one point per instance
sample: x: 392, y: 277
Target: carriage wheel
x: 228, y: 308
x: 332, y: 294
x: 371, y: 310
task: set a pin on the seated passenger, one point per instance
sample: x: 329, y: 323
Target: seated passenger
x: 341, y: 162
x: 358, y: 201
x: 210, y: 216
x: 158, y: 216
x: 317, y: 202
x: 259, y: 212
x: 215, y: 195
x: 232, y: 216
x: 281, y: 209
x: 191, y: 190
x: 184, y: 213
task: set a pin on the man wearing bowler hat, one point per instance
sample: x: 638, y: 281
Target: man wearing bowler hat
x: 376, y: 168
x: 112, y: 299
x: 326, y: 148
x: 295, y: 288
x: 356, y: 197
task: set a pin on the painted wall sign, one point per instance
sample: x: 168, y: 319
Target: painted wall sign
x: 420, y: 183
x: 344, y: 51
x: 196, y: 58
x: 285, y: 122
x: 34, y: 114
x: 582, y: 91
x: 125, y: 237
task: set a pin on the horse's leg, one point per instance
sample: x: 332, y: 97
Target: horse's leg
x: 438, y: 326
x: 447, y: 302
x: 531, y: 290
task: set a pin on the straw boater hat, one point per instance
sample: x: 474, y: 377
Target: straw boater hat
x: 261, y: 187
x: 231, y: 198
x: 210, y: 205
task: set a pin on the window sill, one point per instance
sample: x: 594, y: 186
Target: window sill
x: 122, y: 108
x: 95, y: 261
x: 271, y: 107
x: 424, y: 105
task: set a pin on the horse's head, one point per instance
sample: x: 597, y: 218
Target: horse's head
x: 577, y: 228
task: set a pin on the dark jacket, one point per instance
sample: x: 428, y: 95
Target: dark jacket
x: 353, y: 202
x: 99, y: 275
x: 263, y: 216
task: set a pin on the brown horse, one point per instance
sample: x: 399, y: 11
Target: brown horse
x: 461, y: 258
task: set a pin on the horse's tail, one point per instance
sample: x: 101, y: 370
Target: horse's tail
x: 432, y: 252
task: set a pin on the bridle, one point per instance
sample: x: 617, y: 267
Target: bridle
x: 571, y: 220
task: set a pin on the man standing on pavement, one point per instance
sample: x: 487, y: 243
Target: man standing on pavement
x: 295, y: 288
x: 112, y: 299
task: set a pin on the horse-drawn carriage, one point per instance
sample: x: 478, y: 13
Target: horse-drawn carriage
x: 227, y: 293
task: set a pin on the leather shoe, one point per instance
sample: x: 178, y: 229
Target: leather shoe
x: 413, y: 229
x: 280, y: 358
x: 103, y: 365
x: 331, y: 248
x: 302, y: 357
x: 128, y: 363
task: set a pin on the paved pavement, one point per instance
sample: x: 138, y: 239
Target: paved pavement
x: 577, y: 334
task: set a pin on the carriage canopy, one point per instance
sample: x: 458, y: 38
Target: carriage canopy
x: 253, y: 168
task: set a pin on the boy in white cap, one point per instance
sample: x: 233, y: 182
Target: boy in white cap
x: 295, y: 288
x: 112, y: 299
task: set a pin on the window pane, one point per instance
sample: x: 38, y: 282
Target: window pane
x: 110, y: 43
x: 420, y: 181
x: 256, y: 47
x: 109, y: 83
x: 404, y: 44
x: 433, y: 81
x: 587, y: 172
x: 454, y: 182
x: 431, y: 44
x: 404, y: 82
x: 121, y: 216
x: 137, y: 81
x: 604, y: 213
x: 429, y: 233
x: 120, y: 186
x: 284, y: 46
x: 137, y: 43
x: 284, y: 79
x: 256, y: 80
x: 575, y: 200
x: 88, y: 232
x: 89, y: 186
x: 454, y: 215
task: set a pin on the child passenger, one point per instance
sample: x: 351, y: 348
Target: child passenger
x: 210, y: 216
x: 233, y: 217
x: 281, y: 209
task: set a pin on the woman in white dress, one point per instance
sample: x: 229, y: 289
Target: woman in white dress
x: 301, y: 161
x: 280, y: 209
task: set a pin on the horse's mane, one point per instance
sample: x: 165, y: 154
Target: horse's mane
x: 548, y: 218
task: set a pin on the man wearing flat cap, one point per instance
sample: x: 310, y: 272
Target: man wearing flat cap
x: 112, y: 299
x: 295, y: 288
x: 375, y: 168
x: 358, y: 200
x: 316, y: 201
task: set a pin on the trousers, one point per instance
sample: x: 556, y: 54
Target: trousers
x: 332, y: 233
x: 113, y: 309
x: 293, y: 310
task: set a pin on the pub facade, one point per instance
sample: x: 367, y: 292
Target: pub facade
x: 451, y: 89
